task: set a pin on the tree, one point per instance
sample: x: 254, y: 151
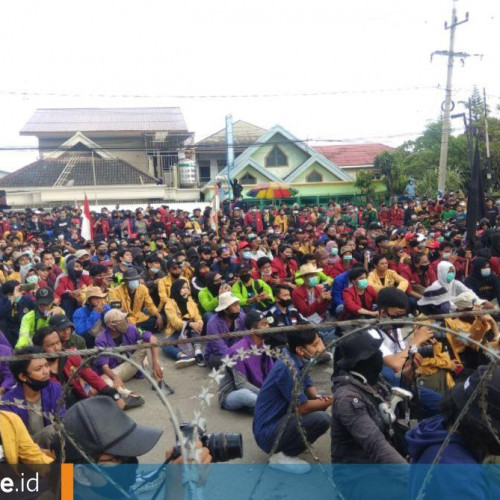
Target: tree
x: 389, y: 166
x: 365, y: 183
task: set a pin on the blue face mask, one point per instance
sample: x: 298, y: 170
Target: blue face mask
x: 450, y: 277
x: 133, y: 284
x: 247, y: 255
x: 363, y: 284
x: 334, y: 251
x: 484, y: 272
x: 155, y: 270
x: 347, y: 258
x: 32, y: 279
x: 313, y: 281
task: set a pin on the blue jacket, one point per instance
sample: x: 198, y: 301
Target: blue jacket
x: 84, y: 318
x: 340, y: 282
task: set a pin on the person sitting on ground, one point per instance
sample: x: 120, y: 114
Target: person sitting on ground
x: 310, y: 258
x: 275, y: 397
x: 199, y: 280
x: 240, y: 386
x: 134, y: 299
x: 228, y: 318
x: 483, y: 282
x: 70, y: 286
x: 151, y: 276
x: 175, y: 272
x: 88, y: 383
x: 89, y: 319
x: 360, y: 299
x: 419, y: 276
x: 35, y: 398
x: 184, y: 320
x: 208, y: 297
x: 114, y: 371
x: 253, y: 293
x: 64, y: 328
x: 284, y: 265
x: 383, y: 277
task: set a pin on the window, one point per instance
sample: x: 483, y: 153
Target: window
x: 276, y: 158
x: 221, y: 165
x: 248, y: 179
x: 314, y: 177
x: 204, y: 166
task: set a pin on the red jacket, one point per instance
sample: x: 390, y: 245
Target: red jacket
x: 495, y: 266
x: 384, y: 217
x: 66, y: 284
x: 254, y: 220
x: 352, y: 301
x: 339, y: 268
x: 396, y: 216
x: 414, y: 279
x: 280, y: 268
x: 301, y: 301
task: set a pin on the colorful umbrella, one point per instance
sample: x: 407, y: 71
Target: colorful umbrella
x: 272, y: 190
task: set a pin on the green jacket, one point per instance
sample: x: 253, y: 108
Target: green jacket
x: 31, y: 322
x: 257, y: 286
x: 207, y: 301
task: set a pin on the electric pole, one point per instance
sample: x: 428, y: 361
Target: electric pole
x: 448, y: 102
x: 487, y: 142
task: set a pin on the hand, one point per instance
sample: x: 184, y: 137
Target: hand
x: 205, y: 457
x: 488, y: 305
x: 325, y: 296
x: 224, y: 288
x: 373, y: 314
x: 120, y: 403
x: 2, y: 390
x: 159, y: 322
x: 454, y: 364
x: 197, y: 326
x: 99, y: 307
x: 263, y: 296
x: 157, y: 371
x: 421, y: 335
x: 17, y: 292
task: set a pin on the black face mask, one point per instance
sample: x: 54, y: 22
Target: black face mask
x: 395, y: 325
x: 214, y: 289
x: 458, y: 243
x: 371, y: 367
x: 246, y: 278
x: 37, y: 385
x: 285, y: 303
x: 226, y: 260
x: 424, y: 267
x: 233, y: 315
x: 86, y: 264
x: 78, y: 273
x: 176, y: 275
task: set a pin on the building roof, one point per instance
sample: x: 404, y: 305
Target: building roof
x: 351, y: 155
x: 64, y: 120
x: 244, y: 133
x: 45, y: 173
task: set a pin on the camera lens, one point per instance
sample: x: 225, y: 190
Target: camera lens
x: 224, y: 447
x: 439, y: 336
x: 426, y: 351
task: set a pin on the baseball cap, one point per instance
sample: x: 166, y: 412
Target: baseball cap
x: 98, y: 426
x: 252, y: 317
x: 59, y: 322
x: 44, y: 296
x: 243, y: 244
x: 114, y: 316
x: 81, y: 253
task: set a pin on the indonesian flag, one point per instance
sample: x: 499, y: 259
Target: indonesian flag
x: 214, y: 222
x: 86, y: 224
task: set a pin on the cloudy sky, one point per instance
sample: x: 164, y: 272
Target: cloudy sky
x: 368, y: 61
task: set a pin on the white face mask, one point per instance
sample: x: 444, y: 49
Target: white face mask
x: 446, y: 255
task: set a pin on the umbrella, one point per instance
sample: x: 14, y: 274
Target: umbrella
x: 272, y: 190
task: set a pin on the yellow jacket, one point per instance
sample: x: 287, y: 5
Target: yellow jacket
x: 142, y: 300
x: 17, y: 444
x: 477, y: 330
x: 392, y: 278
x: 282, y: 220
x: 164, y: 287
x: 175, y: 320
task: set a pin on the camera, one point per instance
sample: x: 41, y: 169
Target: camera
x: 426, y: 351
x: 440, y: 336
x: 223, y: 446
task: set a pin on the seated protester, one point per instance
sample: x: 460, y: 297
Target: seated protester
x: 321, y: 259
x: 88, y: 383
x: 310, y: 258
x: 264, y: 272
x: 13, y: 306
x: 69, y: 288
x: 345, y: 263
x: 483, y: 329
x: 134, y: 299
x: 36, y: 397
x: 360, y: 299
x: 474, y: 439
x: 282, y: 313
x: 7, y: 381
x: 17, y: 445
x: 483, y: 282
x: 393, y: 304
x: 438, y: 297
x: 224, y: 265
x: 419, y: 276
x: 275, y: 397
x: 175, y: 272
x: 229, y: 318
x: 102, y: 277
x: 284, y: 266
x: 89, y: 319
x: 244, y: 255
x: 199, y: 280
x: 383, y: 277
x: 252, y: 293
x: 64, y: 328
x: 447, y: 253
x: 311, y: 300
x: 340, y: 283
x: 184, y: 320
x: 208, y: 297
x: 151, y: 276
x: 359, y: 435
x: 241, y: 383
x: 115, y: 371
x: 38, y: 317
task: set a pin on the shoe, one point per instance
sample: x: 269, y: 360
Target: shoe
x: 184, y: 361
x: 285, y: 463
x: 164, y: 386
x: 199, y: 359
x: 133, y: 402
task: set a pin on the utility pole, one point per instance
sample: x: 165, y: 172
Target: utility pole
x: 489, y: 170
x: 443, y: 159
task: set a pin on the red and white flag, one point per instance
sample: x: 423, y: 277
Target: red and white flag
x: 214, y: 222
x: 86, y: 223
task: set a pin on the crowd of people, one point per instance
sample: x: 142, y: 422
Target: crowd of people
x: 158, y: 273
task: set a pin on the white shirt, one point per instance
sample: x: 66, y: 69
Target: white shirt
x: 389, y: 346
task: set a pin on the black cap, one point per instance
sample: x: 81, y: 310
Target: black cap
x: 374, y: 225
x: 98, y: 426
x: 59, y: 322
x: 131, y: 274
x: 205, y: 249
x: 252, y: 317
x: 357, y: 347
x: 44, y: 296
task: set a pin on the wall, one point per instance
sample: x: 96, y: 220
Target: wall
x: 316, y: 167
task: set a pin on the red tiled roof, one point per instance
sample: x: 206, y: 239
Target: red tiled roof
x: 350, y: 155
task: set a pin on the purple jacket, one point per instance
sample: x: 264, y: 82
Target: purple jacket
x: 50, y: 405
x: 131, y: 337
x: 6, y: 377
x: 4, y: 341
x: 217, y: 324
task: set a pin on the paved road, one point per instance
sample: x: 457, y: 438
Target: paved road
x: 187, y: 382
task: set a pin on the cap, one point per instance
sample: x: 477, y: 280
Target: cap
x: 205, y: 249
x: 114, y: 316
x: 81, y: 253
x: 94, y: 291
x: 357, y: 347
x: 243, y: 244
x: 226, y: 300
x: 467, y: 300
x: 131, y: 274
x: 44, y: 296
x: 99, y: 426
x: 59, y: 322
x: 252, y: 317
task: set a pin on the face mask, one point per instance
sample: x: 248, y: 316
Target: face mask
x: 396, y: 325
x: 286, y: 302
x: 78, y: 273
x: 288, y: 257
x: 450, y: 277
x: 447, y: 235
x: 440, y: 239
x: 424, y: 267
x: 133, y: 284
x: 101, y: 252
x: 362, y: 284
x: 32, y: 279
x: 334, y: 251
x: 154, y: 270
x: 234, y: 315
x: 226, y: 260
x: 25, y: 267
x: 347, y: 258
x: 127, y: 264
x: 313, y: 281
x: 246, y: 278
x: 37, y: 385
x: 446, y: 255
x: 247, y: 255
x: 485, y: 272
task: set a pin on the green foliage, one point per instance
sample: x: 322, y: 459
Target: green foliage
x: 388, y: 165
x: 365, y: 184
